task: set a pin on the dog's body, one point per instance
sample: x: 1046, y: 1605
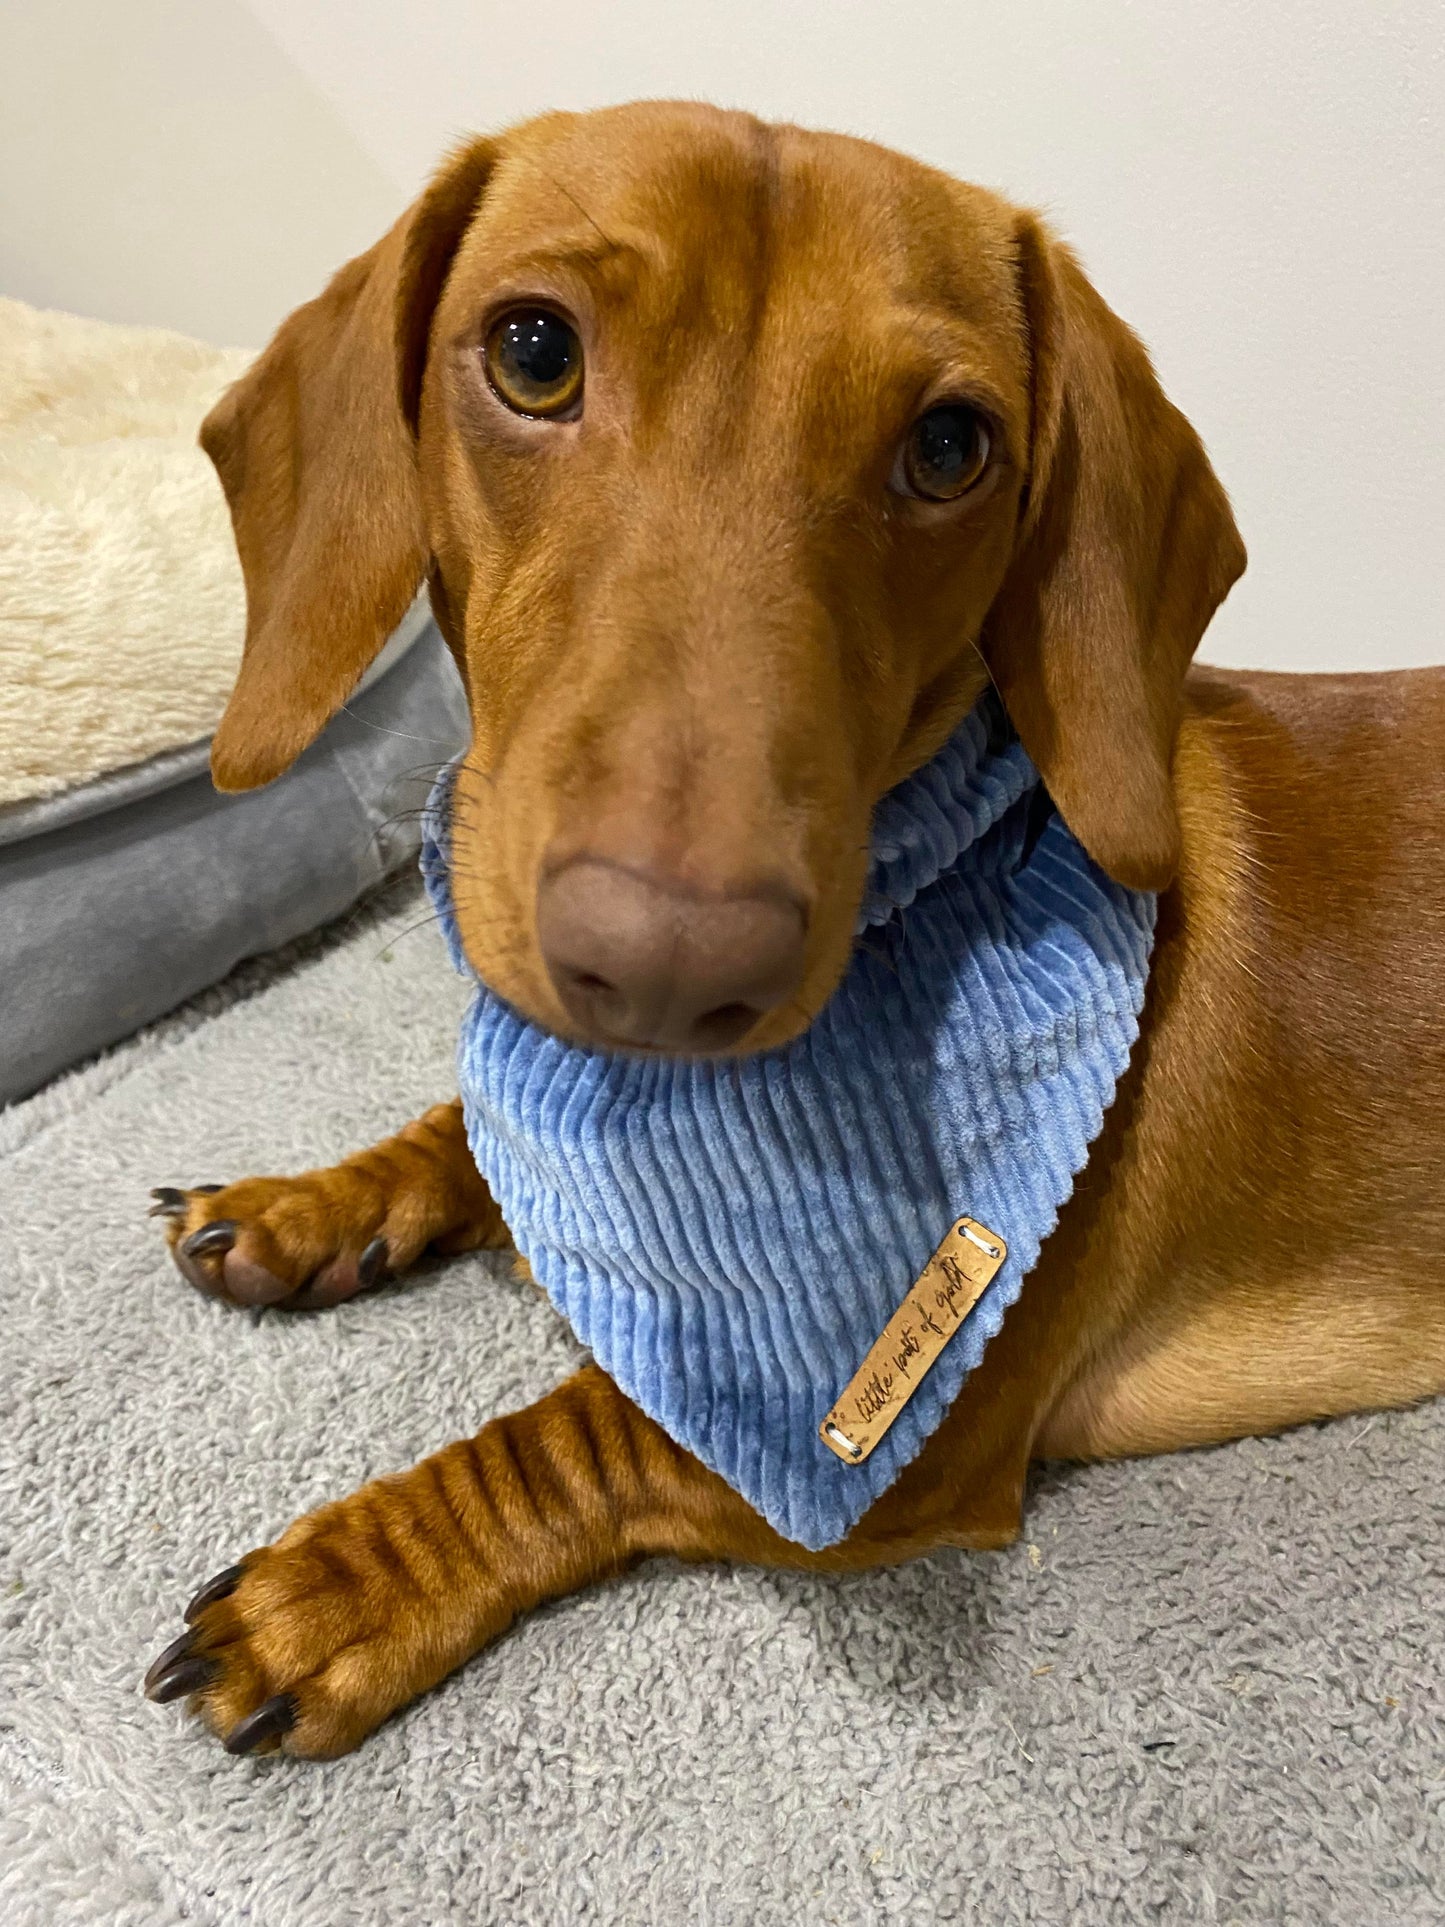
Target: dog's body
x: 1258, y: 1238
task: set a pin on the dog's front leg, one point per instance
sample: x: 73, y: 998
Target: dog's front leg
x: 359, y: 1607
x: 306, y: 1242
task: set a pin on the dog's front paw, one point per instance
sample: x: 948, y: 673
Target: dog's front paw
x: 280, y: 1241
x: 311, y: 1241
x: 308, y: 1644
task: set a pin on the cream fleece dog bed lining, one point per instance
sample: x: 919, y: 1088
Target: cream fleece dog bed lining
x: 121, y: 604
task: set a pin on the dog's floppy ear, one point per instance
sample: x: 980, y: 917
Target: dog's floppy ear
x: 1126, y: 547
x: 315, y: 448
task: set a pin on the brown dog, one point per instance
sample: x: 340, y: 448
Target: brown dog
x: 737, y: 459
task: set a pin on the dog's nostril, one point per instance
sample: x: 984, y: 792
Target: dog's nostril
x: 726, y: 1014
x: 590, y: 983
x: 717, y: 1029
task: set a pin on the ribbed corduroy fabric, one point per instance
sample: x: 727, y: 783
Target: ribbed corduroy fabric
x: 729, y: 1236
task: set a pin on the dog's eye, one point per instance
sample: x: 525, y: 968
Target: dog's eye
x: 945, y: 454
x: 534, y: 362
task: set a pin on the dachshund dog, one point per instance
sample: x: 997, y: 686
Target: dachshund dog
x: 738, y: 461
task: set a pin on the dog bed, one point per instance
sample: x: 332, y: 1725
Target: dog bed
x: 126, y: 882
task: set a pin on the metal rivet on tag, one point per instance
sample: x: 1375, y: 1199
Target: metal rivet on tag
x: 841, y: 1442
x: 965, y: 1230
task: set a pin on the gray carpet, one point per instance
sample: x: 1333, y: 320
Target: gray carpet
x: 1207, y: 1688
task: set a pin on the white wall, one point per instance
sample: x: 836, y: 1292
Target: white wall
x: 1259, y: 188
x: 166, y: 161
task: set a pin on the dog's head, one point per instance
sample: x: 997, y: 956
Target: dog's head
x: 738, y: 459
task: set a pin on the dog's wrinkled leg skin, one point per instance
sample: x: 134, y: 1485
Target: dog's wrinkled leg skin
x: 310, y: 1643
x: 310, y: 1241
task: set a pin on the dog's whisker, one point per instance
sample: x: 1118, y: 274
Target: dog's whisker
x: 411, y: 929
x: 569, y: 195
x: 385, y: 729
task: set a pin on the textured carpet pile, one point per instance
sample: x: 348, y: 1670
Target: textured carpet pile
x: 1205, y: 1688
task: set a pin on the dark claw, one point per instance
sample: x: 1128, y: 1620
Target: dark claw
x: 178, y: 1649
x: 271, y: 1719
x: 207, y: 1190
x: 371, y: 1265
x: 221, y: 1587
x: 219, y: 1236
x: 189, y: 1677
x: 169, y: 1203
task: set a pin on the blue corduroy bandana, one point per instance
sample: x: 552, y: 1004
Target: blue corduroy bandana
x: 730, y: 1236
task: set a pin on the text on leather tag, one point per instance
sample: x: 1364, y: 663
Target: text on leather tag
x: 948, y: 1288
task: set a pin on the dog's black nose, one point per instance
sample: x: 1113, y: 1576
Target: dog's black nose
x: 641, y: 960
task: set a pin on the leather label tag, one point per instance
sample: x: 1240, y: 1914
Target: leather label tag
x: 948, y: 1288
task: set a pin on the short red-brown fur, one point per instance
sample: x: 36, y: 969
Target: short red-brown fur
x: 700, y: 631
